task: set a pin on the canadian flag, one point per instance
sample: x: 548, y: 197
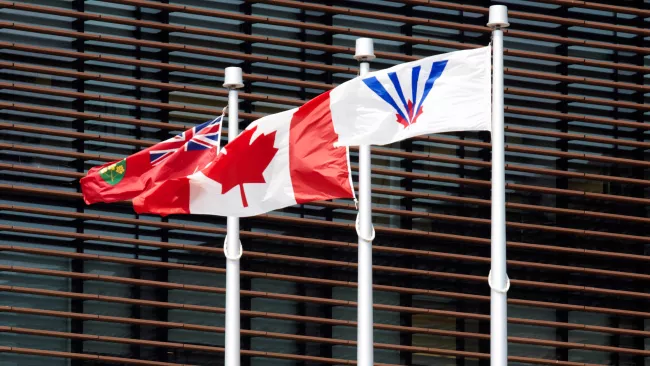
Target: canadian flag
x: 280, y: 160
x: 300, y: 155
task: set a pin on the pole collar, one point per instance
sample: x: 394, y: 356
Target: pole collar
x: 225, y: 250
x: 499, y: 290
x: 358, y: 227
x: 233, y: 78
x: 498, y: 17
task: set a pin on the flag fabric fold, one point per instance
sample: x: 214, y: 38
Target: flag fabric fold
x: 178, y: 156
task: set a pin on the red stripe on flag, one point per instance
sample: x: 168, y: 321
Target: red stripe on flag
x: 319, y: 171
x: 167, y: 198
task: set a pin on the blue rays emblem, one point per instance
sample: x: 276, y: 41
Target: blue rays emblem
x: 408, y: 112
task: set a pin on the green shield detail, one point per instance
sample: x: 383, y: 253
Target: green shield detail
x: 113, y: 173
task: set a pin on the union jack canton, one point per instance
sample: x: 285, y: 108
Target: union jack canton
x: 201, y: 137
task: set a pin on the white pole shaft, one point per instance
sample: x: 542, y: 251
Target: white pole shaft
x: 232, y: 345
x: 498, y: 300
x: 364, y: 302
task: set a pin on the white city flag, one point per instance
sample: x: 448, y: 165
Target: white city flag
x: 443, y: 93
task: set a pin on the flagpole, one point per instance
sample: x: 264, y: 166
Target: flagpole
x: 232, y: 246
x: 364, y: 52
x: 498, y: 279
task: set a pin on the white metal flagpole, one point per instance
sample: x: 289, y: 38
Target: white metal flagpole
x: 498, y: 279
x: 232, y: 246
x: 364, y: 53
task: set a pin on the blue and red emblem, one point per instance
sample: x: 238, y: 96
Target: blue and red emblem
x: 201, y: 137
x: 408, y: 112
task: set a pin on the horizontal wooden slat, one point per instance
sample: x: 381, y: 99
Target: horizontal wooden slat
x: 294, y: 82
x: 340, y: 264
x: 534, y: 16
x: 450, y: 25
x: 186, y: 346
x: 82, y: 356
x: 340, y: 244
x: 174, y: 47
x: 600, y: 6
x: 371, y: 34
x: 190, y: 347
x: 157, y: 264
x: 245, y: 332
x: 277, y: 335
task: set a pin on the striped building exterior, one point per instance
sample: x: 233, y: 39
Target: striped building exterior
x: 86, y: 82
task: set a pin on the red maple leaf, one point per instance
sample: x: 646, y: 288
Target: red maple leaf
x: 411, y: 117
x: 243, y: 162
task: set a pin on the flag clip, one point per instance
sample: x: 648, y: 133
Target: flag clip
x: 372, y: 236
x: 225, y: 250
x: 503, y: 290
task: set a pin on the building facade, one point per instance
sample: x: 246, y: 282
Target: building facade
x: 86, y: 82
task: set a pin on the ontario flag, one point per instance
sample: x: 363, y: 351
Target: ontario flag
x: 178, y: 156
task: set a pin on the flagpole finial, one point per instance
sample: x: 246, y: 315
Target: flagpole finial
x: 364, y: 50
x: 498, y: 17
x: 233, y: 78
